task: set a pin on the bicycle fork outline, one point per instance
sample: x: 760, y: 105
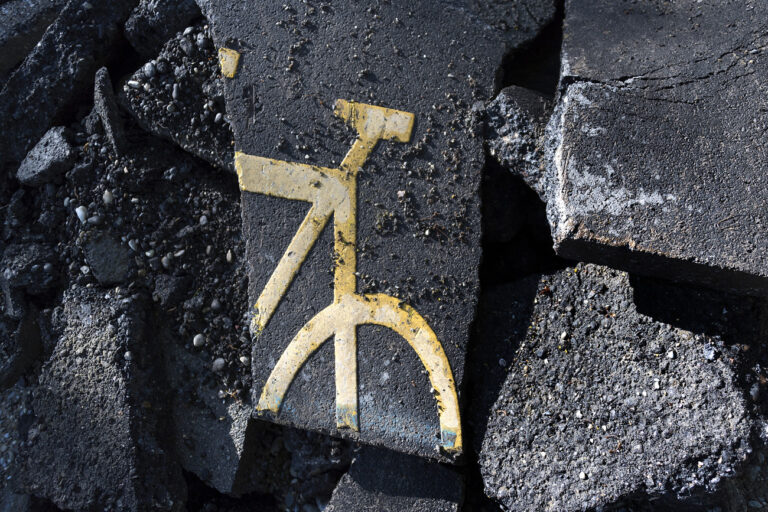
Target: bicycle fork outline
x: 333, y: 192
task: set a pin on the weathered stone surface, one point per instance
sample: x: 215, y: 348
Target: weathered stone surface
x: 50, y: 158
x: 94, y: 439
x: 28, y: 266
x: 418, y: 221
x: 602, y: 402
x: 656, y: 152
x: 178, y: 96
x: 384, y: 480
x: 108, y: 258
x: 217, y: 440
x: 20, y: 345
x: 57, y: 72
x: 154, y: 22
x: 106, y: 107
x: 516, y: 119
x: 12, y: 411
x: 22, y: 22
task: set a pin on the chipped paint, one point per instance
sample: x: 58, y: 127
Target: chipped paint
x: 333, y: 192
x: 228, y: 61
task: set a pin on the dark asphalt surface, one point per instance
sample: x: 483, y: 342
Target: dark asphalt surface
x: 418, y: 203
x: 657, y: 154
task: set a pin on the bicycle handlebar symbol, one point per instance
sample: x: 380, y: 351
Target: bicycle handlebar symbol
x: 333, y: 192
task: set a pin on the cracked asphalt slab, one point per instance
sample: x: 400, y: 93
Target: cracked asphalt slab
x: 602, y: 403
x: 375, y: 482
x: 656, y: 152
x: 418, y: 225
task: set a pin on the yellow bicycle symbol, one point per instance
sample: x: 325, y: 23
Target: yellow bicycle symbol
x: 333, y: 192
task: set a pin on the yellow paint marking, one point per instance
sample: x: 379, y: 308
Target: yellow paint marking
x: 333, y: 192
x: 228, y: 60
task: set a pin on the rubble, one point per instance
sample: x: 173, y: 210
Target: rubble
x: 217, y: 440
x: 108, y: 258
x: 384, y: 480
x: 603, y: 403
x: 516, y: 120
x: 57, y: 72
x: 20, y: 345
x: 106, y: 107
x: 129, y: 379
x: 22, y: 22
x: 178, y: 96
x: 655, y: 153
x: 50, y: 158
x: 96, y: 435
x: 28, y: 266
x: 153, y: 22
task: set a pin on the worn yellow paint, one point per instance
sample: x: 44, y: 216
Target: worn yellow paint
x: 228, y: 60
x: 333, y: 192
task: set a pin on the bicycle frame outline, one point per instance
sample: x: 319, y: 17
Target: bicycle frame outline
x: 333, y: 193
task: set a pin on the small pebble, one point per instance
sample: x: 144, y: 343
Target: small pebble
x: 215, y: 304
x: 107, y: 197
x: 218, y: 365
x: 175, y: 92
x: 165, y: 261
x: 82, y: 213
x: 149, y: 69
x: 245, y: 360
x: 128, y: 356
x: 134, y: 245
x: 582, y: 476
x: 229, y: 256
x: 502, y: 362
x: 48, y: 267
x: 203, y: 220
x: 198, y: 340
x: 218, y: 118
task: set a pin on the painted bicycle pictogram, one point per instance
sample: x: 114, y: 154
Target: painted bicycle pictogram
x: 333, y: 193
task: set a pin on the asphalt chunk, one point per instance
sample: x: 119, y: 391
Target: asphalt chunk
x: 57, y: 72
x: 656, y: 151
x: 380, y: 479
x: 50, y: 158
x: 416, y: 235
x: 602, y: 403
x: 22, y: 22
x: 96, y: 438
x: 178, y: 96
x: 153, y: 22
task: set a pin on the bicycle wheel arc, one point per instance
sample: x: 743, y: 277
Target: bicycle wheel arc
x: 387, y: 312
